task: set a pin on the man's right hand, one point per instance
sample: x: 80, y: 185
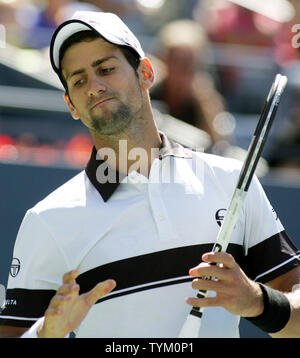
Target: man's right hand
x: 67, y: 308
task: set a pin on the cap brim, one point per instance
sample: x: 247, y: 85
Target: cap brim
x: 67, y: 29
x: 61, y: 34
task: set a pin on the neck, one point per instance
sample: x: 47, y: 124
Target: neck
x: 133, y: 149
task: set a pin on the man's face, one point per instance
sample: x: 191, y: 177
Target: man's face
x: 104, y: 89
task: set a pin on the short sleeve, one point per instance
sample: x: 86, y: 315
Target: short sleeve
x: 269, y: 250
x: 36, y: 273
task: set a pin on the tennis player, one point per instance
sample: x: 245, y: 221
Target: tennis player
x: 116, y: 251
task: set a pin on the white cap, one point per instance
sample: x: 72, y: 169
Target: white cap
x: 108, y: 25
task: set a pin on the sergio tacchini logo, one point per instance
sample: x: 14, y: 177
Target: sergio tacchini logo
x: 15, y: 267
x: 220, y: 216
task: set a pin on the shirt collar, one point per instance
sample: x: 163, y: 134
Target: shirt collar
x: 168, y: 148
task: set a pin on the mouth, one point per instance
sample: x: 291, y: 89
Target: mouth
x: 102, y: 101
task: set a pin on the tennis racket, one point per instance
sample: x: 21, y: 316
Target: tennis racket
x: 192, y: 324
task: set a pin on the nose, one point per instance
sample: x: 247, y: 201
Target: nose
x: 96, y: 86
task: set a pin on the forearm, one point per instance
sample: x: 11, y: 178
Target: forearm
x: 11, y: 331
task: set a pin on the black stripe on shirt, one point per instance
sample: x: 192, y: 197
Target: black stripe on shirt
x: 17, y: 299
x: 171, y: 266
x: 143, y: 288
x: 158, y: 269
x: 265, y: 256
x: 151, y: 270
x: 25, y: 303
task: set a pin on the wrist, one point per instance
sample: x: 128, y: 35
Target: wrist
x: 276, y: 312
x: 258, y: 302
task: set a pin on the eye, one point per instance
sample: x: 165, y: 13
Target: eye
x: 106, y: 71
x: 78, y: 83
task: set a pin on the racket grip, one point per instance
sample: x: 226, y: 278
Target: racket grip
x: 198, y: 311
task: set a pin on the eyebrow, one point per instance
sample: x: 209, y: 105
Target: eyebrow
x: 94, y: 64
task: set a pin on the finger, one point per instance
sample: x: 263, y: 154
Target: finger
x: 99, y: 291
x: 59, y: 301
x: 207, y: 270
x: 220, y: 258
x: 68, y: 289
x: 208, y: 285
x: 70, y: 277
x: 203, y: 302
x: 52, y: 311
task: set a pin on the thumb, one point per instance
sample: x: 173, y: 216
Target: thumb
x: 100, y: 290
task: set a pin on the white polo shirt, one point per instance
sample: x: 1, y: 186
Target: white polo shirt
x: 146, y: 233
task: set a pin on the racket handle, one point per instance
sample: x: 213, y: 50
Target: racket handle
x: 192, y: 324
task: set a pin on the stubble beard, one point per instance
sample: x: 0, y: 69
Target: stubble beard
x: 114, y: 122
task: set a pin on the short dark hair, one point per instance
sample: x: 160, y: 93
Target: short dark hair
x: 131, y: 56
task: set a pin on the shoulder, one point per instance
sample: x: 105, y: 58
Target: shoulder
x: 71, y: 193
x: 217, y: 166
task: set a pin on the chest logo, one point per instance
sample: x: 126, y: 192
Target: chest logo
x: 219, y: 216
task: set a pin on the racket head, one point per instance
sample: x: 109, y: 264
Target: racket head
x: 261, y: 132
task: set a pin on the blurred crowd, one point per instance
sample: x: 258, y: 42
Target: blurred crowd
x: 215, y: 61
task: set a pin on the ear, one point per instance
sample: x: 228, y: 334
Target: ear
x: 72, y: 109
x: 147, y: 73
